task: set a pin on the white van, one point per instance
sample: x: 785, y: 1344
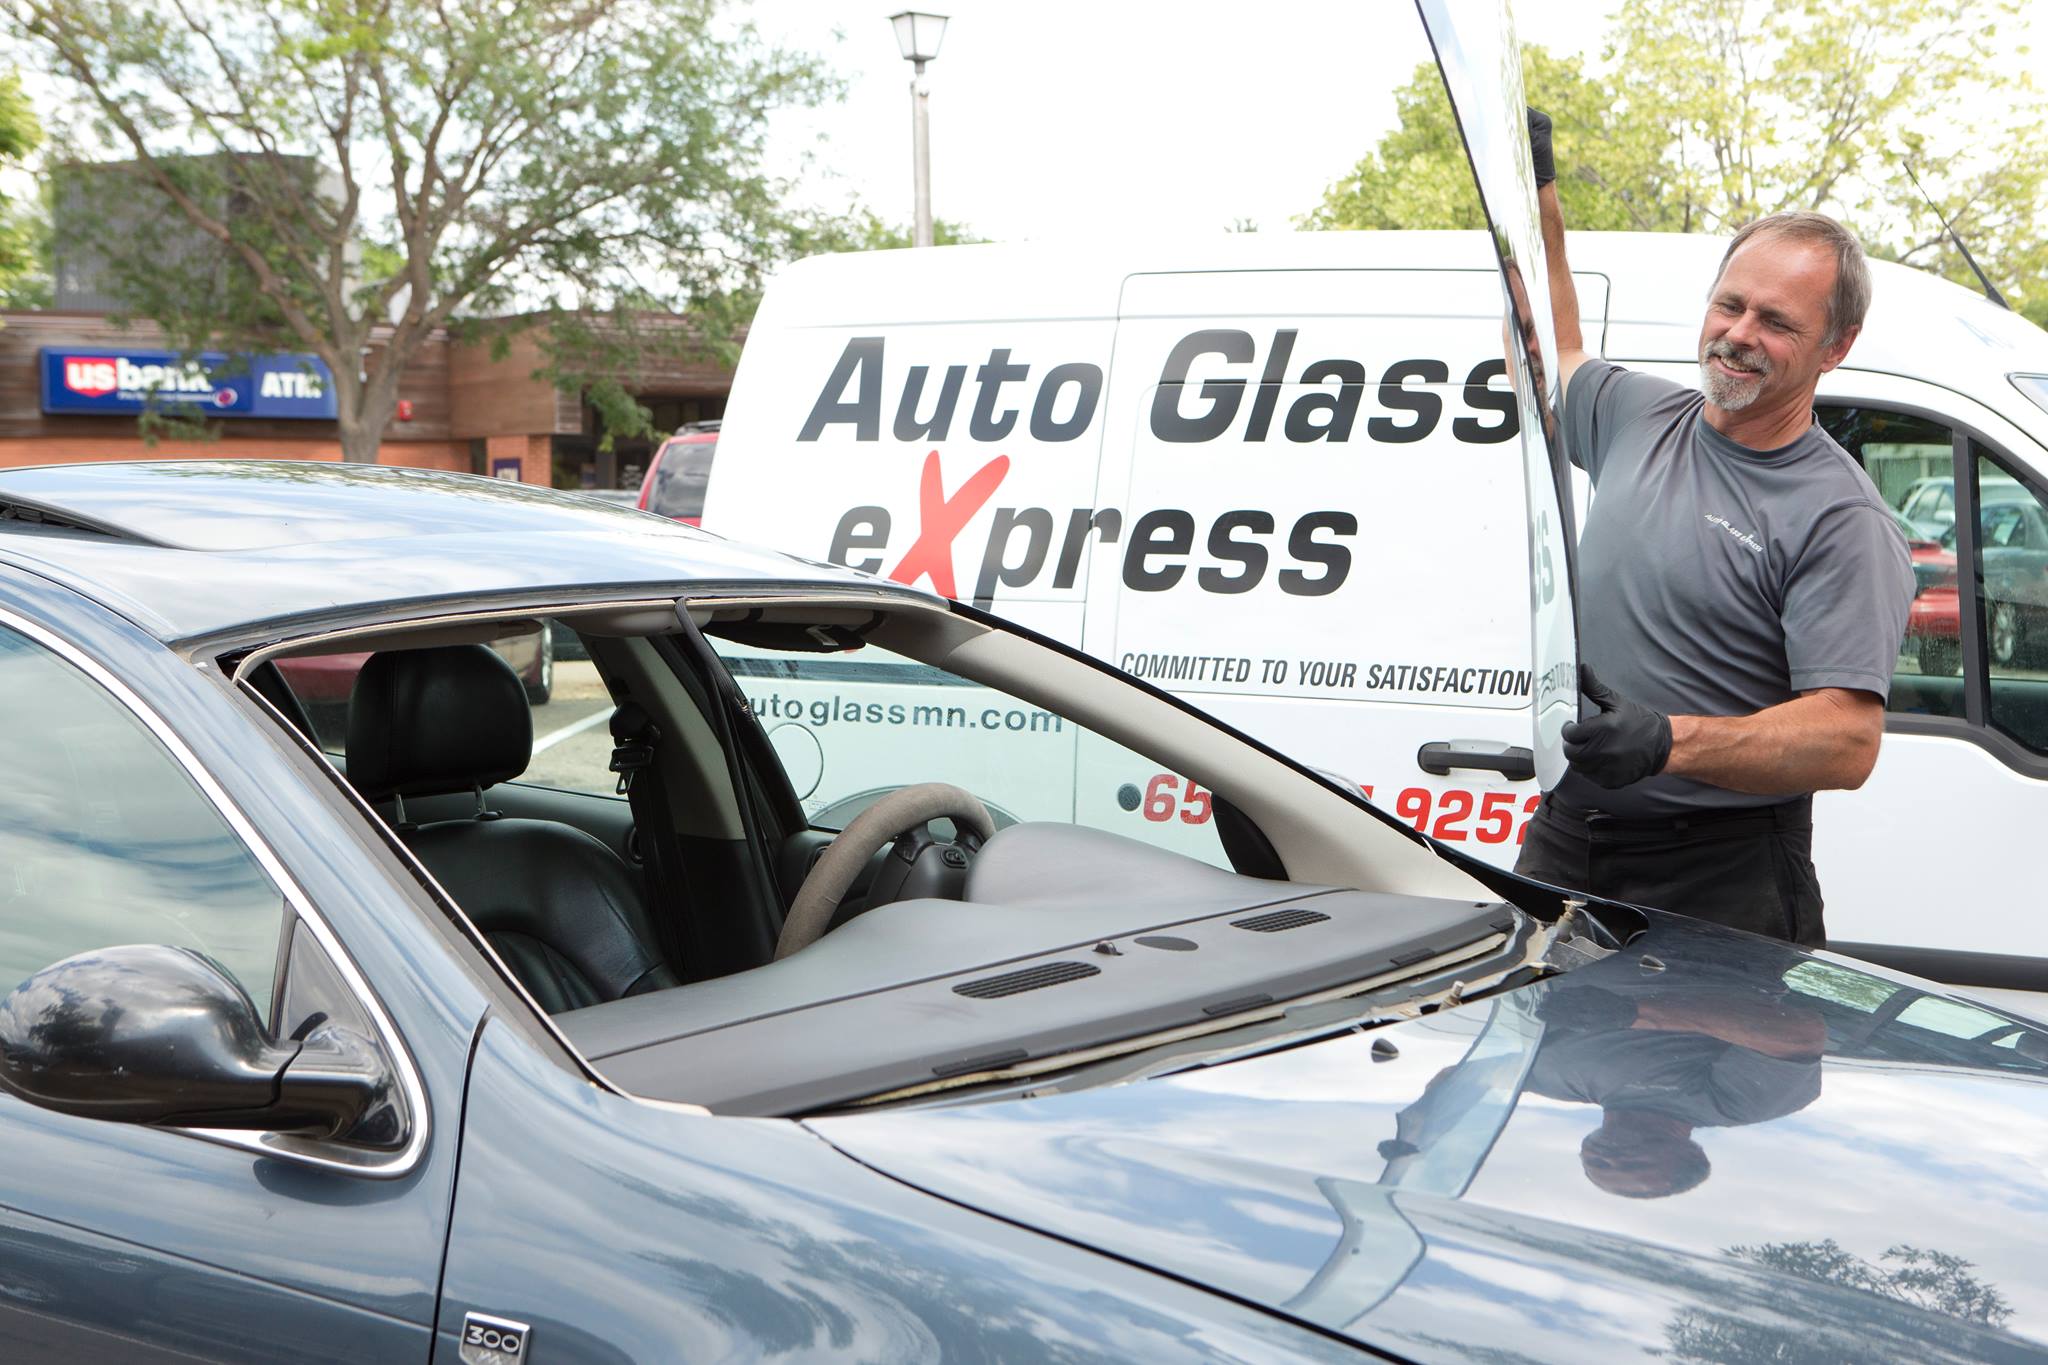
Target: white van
x: 1278, y: 475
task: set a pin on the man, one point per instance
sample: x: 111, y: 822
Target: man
x: 1663, y: 1061
x: 1661, y: 1058
x: 1742, y: 593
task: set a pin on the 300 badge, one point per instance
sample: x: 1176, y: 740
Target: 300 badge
x: 493, y: 1341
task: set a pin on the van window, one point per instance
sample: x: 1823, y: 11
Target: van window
x: 1911, y: 459
x: 852, y: 727
x: 2034, y: 386
x: 2012, y: 590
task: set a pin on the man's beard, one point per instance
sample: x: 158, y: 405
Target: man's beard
x: 1726, y: 391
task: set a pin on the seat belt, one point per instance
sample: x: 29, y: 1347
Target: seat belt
x: 634, y: 738
x: 727, y: 711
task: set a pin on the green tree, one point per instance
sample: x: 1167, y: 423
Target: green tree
x: 1418, y: 176
x: 20, y: 240
x: 1709, y: 113
x: 595, y: 354
x: 1933, y: 1282
x: 860, y: 228
x: 363, y: 173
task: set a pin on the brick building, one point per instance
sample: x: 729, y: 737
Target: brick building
x: 460, y: 409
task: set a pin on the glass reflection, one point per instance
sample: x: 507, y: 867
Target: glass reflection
x: 104, y: 840
x: 1659, y: 1063
x: 1481, y: 64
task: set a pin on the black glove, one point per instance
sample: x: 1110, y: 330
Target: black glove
x: 1539, y: 147
x: 1626, y: 742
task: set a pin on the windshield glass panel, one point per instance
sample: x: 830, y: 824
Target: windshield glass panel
x: 681, y: 474
x: 2034, y: 386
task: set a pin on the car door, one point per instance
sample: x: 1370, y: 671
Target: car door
x: 1481, y: 65
x: 134, y: 1242
x: 1917, y: 864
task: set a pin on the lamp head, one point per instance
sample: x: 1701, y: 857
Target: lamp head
x: 918, y: 35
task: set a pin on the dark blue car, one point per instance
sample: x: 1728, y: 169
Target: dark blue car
x: 414, y: 1034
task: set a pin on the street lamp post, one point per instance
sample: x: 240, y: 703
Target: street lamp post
x: 918, y: 35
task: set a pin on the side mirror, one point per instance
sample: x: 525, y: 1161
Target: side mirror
x: 150, y: 1034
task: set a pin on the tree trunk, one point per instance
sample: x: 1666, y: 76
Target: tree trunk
x: 360, y: 440
x: 364, y: 408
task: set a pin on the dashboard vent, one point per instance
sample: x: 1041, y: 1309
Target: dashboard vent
x: 1030, y: 979
x: 1273, y: 921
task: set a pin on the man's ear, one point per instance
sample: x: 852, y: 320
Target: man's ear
x: 1839, y: 352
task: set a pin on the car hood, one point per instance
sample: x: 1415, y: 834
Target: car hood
x: 1705, y: 1146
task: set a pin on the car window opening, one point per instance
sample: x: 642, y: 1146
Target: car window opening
x: 633, y: 843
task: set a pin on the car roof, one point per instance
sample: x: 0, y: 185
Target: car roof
x: 190, y: 549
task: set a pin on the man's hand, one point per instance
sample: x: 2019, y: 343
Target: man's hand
x: 1564, y: 292
x: 1625, y: 743
x: 1539, y: 147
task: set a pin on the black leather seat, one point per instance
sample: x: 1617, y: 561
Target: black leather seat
x: 558, y: 905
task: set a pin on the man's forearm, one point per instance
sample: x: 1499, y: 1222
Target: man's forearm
x: 1823, y: 741
x: 1564, y: 295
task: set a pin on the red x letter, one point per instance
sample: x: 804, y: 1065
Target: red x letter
x: 940, y: 519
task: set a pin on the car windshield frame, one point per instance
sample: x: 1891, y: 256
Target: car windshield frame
x: 401, y: 622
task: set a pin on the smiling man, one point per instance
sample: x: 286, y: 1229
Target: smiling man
x: 1742, y: 593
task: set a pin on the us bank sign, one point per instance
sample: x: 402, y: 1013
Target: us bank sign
x: 101, y: 382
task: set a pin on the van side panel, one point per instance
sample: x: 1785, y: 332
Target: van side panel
x: 1325, y: 539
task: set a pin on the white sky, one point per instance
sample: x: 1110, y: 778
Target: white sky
x: 1072, y: 117
x: 1077, y: 117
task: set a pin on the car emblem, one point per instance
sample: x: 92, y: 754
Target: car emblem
x: 493, y: 1341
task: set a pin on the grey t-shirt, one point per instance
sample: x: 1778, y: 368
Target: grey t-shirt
x: 1716, y: 580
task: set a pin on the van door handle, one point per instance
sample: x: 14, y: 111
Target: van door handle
x: 1511, y: 761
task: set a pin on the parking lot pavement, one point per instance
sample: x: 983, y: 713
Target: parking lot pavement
x: 572, y: 744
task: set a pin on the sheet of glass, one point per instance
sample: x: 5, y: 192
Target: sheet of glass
x: 1481, y: 64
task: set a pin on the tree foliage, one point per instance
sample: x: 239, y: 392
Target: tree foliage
x: 357, y: 174
x: 1705, y: 114
x: 1935, y: 1283
x: 604, y: 351
x: 20, y: 237
x: 860, y: 228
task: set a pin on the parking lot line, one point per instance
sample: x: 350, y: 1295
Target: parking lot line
x: 589, y: 722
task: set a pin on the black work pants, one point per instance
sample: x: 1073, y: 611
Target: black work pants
x: 1750, y: 869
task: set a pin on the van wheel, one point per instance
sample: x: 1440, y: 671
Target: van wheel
x: 2007, y: 635
x: 1940, y: 658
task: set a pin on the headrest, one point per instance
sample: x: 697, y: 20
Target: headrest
x: 424, y: 721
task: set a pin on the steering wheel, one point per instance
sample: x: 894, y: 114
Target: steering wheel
x: 833, y: 874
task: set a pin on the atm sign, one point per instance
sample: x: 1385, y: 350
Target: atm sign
x: 213, y: 385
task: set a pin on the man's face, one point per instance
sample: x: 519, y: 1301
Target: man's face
x: 1767, y: 320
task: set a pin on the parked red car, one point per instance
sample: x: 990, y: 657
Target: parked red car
x: 1934, y: 622
x: 2013, y: 547
x: 328, y: 678
x: 680, y: 472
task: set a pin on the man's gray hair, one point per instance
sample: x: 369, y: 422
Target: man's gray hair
x: 1850, y: 298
